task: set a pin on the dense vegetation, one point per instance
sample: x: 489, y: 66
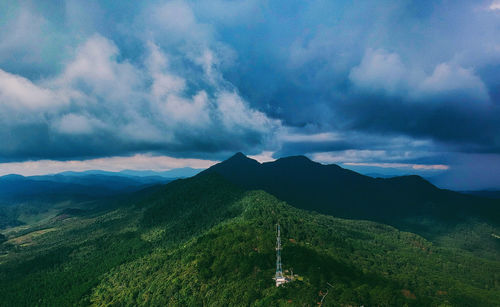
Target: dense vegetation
x: 204, y: 241
x: 28, y: 200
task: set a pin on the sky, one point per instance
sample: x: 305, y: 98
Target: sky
x: 381, y: 87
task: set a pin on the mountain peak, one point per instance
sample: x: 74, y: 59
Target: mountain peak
x: 12, y: 177
x: 238, y: 165
x: 239, y: 155
x: 293, y: 161
x: 236, y: 161
x: 239, y: 158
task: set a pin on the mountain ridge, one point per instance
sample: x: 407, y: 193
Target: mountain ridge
x: 331, y: 189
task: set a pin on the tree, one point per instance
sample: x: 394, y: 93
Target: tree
x: 2, y: 238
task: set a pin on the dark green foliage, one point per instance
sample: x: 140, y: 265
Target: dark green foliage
x: 65, y: 264
x: 9, y: 217
x: 203, y: 241
x: 368, y: 263
x: 186, y: 206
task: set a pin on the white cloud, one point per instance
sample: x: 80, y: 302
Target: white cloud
x: 191, y: 111
x: 96, y: 71
x: 208, y: 61
x: 314, y: 137
x: 495, y: 5
x: 175, y: 27
x: 114, y: 164
x: 452, y: 79
x: 167, y: 94
x: 381, y: 71
x: 175, y: 22
x: 21, y: 94
x: 237, y: 116
x: 163, y: 83
x: 265, y: 156
x: 77, y: 124
x: 349, y: 156
x: 22, y: 37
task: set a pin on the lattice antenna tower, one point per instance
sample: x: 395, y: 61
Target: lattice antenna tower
x: 279, y: 268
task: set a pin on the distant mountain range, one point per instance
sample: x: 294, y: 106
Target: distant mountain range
x: 183, y: 172
x: 407, y: 202
x: 93, y: 183
x: 26, y: 199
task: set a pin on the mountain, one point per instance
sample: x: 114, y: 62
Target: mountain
x: 210, y: 240
x: 206, y: 241
x: 29, y: 199
x: 182, y: 172
x: 108, y: 180
x: 91, y: 184
x: 18, y: 188
x: 407, y: 202
x: 25, y: 200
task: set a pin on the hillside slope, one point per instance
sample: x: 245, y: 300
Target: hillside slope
x: 204, y: 241
x: 367, y: 264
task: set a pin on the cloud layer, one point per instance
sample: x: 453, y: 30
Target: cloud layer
x: 101, y: 105
x: 401, y: 82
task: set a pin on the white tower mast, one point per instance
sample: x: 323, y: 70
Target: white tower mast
x: 280, y: 279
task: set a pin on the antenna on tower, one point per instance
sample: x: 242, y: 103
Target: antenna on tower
x: 279, y: 278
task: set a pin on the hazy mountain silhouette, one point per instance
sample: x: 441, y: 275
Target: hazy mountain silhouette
x: 17, y: 188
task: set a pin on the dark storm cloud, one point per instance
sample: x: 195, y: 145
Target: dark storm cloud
x: 301, y: 148
x: 422, y: 69
x: 464, y: 127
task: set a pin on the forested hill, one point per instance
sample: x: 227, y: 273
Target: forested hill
x: 203, y: 241
x: 27, y: 200
x: 408, y: 202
